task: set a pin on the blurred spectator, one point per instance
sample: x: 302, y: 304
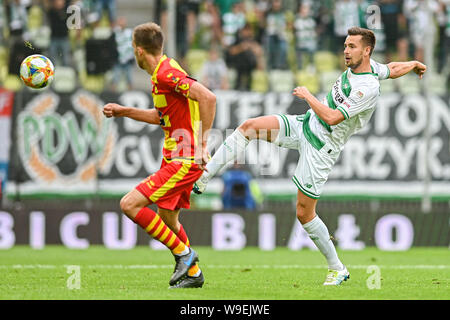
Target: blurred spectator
x: 89, y: 11
x: 346, y: 15
x: 233, y: 22
x: 323, y: 14
x: 214, y: 73
x: 240, y: 190
x: 305, y: 35
x: 422, y: 28
x: 2, y: 22
x: 260, y: 9
x: 86, y: 7
x: 17, y: 16
x: 291, y: 5
x: 109, y: 6
x: 371, y: 19
x: 59, y: 49
x: 245, y: 55
x: 444, y: 34
x: 192, y: 13
x: 209, y: 30
x: 395, y: 29
x: 185, y: 25
x: 276, y: 27
x: 125, y: 63
x: 225, y: 6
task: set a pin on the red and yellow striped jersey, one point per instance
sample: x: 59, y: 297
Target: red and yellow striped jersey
x: 179, y: 115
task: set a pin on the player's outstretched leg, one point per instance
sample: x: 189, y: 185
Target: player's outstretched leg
x: 318, y: 232
x: 133, y: 205
x: 265, y: 128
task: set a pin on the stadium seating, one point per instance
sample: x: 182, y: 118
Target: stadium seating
x: 308, y: 79
x: 12, y: 82
x: 3, y: 63
x: 40, y: 37
x: 327, y: 79
x: 260, y: 81
x: 281, y: 80
x: 232, y: 74
x: 408, y: 84
x: 94, y: 83
x: 195, y: 58
x: 325, y: 61
x: 101, y: 33
x: 437, y: 83
x: 65, y: 79
x: 35, y: 17
x: 388, y: 86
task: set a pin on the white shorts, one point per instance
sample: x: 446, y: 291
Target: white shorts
x: 314, y: 165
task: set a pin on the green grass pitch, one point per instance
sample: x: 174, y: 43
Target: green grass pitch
x: 143, y: 273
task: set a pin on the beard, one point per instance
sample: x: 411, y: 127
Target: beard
x: 355, y: 64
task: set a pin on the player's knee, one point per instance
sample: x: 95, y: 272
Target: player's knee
x: 248, y: 128
x: 300, y: 211
x: 126, y: 204
x: 303, y: 212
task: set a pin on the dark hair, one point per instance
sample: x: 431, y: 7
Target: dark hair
x: 368, y: 37
x: 149, y: 36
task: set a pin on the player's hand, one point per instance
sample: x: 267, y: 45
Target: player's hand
x: 420, y: 69
x: 301, y: 92
x: 113, y: 110
x: 202, y: 158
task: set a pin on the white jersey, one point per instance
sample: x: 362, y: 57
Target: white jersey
x: 355, y: 95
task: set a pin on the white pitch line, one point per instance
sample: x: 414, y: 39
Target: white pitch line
x: 215, y: 266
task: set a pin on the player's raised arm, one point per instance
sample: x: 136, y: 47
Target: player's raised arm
x: 398, y: 69
x: 145, y: 115
x: 330, y: 116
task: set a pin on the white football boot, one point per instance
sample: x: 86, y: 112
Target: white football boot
x: 336, y: 277
x: 200, y: 185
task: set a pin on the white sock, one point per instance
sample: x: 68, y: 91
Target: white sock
x: 184, y: 252
x: 318, y: 232
x: 233, y: 146
x: 197, y: 273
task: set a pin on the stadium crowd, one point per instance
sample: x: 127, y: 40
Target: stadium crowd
x: 229, y: 44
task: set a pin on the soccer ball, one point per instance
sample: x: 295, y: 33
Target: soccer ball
x: 37, y: 71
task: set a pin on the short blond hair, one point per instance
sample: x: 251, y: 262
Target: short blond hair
x: 149, y: 36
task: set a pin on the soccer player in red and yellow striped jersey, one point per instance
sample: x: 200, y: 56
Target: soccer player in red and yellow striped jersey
x: 185, y: 110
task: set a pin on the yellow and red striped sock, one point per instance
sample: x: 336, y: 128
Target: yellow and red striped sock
x: 183, y: 237
x: 155, y: 226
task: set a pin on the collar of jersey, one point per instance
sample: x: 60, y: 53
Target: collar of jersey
x: 361, y: 73
x: 154, y: 79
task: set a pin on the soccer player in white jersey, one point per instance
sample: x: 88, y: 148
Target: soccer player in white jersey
x: 320, y: 134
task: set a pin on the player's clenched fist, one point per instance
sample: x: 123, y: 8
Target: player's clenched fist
x: 113, y: 110
x: 301, y: 92
x: 420, y: 69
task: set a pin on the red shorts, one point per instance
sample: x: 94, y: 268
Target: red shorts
x: 170, y: 187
